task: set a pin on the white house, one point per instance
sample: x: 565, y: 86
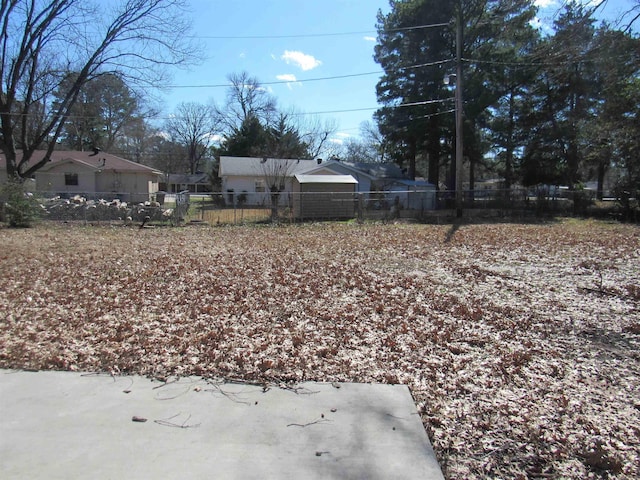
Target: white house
x: 254, y: 176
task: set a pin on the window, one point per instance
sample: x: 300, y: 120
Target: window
x: 260, y: 186
x: 71, y: 179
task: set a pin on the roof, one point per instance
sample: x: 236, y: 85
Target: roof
x: 378, y: 170
x: 371, y: 170
x: 252, y: 166
x: 415, y: 183
x: 100, y: 161
x: 187, y: 179
x: 326, y: 179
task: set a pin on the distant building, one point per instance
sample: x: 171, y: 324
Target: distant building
x: 249, y: 177
x: 96, y: 174
x: 177, y: 182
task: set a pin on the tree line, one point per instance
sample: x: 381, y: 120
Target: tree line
x: 73, y: 71
x: 110, y: 115
x: 555, y: 107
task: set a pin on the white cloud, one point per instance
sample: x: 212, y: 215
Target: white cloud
x: 337, y: 141
x: 215, y: 138
x: 545, y: 3
x: 536, y: 22
x: 242, y: 55
x: 343, y: 135
x: 287, y: 77
x: 302, y: 60
x: 369, y: 39
x: 290, y: 79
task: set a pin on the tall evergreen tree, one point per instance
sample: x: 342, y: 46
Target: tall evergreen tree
x: 611, y: 136
x: 283, y: 140
x: 562, y: 99
x: 250, y: 140
x: 417, y: 45
x: 415, y: 50
x: 103, y: 110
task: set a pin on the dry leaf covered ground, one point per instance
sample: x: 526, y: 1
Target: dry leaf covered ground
x: 521, y: 343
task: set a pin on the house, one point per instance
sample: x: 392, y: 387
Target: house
x: 93, y: 174
x: 373, y: 178
x: 251, y: 178
x: 177, y: 182
x: 383, y: 185
x: 324, y: 196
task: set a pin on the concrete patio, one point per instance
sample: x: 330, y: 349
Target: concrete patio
x: 71, y: 425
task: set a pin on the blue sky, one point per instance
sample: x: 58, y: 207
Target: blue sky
x: 301, y: 40
x: 280, y: 59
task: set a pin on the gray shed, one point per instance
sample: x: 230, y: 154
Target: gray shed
x: 324, y: 196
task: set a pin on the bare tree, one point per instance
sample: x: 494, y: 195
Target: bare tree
x: 275, y: 172
x: 193, y: 126
x: 315, y: 132
x: 41, y: 41
x: 358, y: 150
x: 374, y: 140
x: 246, y: 99
x: 631, y: 16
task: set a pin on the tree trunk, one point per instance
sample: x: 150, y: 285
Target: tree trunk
x: 275, y: 197
x: 602, y: 169
x: 433, y: 151
x: 9, y: 148
x: 412, y: 159
x: 508, y: 158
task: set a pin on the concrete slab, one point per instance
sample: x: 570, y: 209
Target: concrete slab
x: 68, y: 425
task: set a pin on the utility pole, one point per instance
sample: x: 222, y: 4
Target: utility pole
x: 459, y: 112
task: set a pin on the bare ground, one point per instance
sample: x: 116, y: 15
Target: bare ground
x: 520, y: 343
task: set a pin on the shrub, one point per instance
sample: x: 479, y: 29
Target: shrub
x: 20, y: 208
x: 582, y: 200
x: 626, y: 193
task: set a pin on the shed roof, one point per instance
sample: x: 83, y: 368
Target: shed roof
x: 326, y: 179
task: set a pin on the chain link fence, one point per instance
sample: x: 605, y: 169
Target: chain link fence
x: 427, y: 206
x: 233, y: 208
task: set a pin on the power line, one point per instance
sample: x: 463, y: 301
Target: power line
x: 281, y: 82
x: 402, y: 123
x: 429, y: 64
x: 426, y: 102
x: 311, y: 35
x: 412, y: 104
x: 317, y: 79
x: 401, y: 105
x: 571, y: 61
x: 336, y: 111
